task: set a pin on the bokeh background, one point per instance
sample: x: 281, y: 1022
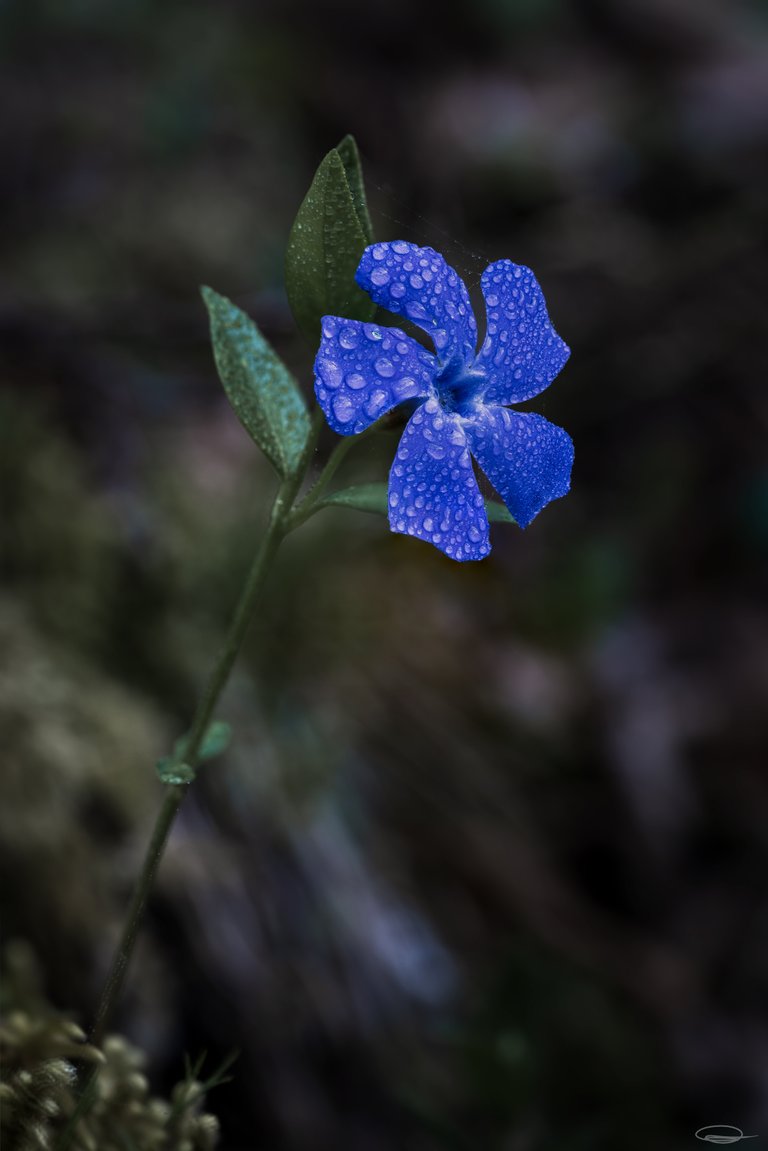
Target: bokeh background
x: 487, y: 863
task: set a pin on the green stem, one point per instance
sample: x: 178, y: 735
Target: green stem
x: 273, y: 537
x: 114, y: 983
x: 311, y: 501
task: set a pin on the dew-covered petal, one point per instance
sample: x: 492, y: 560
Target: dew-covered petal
x: 364, y: 370
x: 527, y: 459
x: 418, y: 283
x: 522, y: 353
x: 433, y: 492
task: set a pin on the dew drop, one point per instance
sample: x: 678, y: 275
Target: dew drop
x: 376, y: 402
x: 348, y: 338
x: 356, y: 381
x: 331, y: 373
x: 385, y: 368
x: 379, y: 276
x: 343, y: 409
x: 405, y: 388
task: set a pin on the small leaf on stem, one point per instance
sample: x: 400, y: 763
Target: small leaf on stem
x: 373, y: 498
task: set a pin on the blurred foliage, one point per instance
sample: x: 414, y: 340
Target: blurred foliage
x: 44, y: 1059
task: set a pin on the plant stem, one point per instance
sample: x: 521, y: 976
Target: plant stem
x: 174, y: 794
x: 309, y: 504
x: 114, y: 983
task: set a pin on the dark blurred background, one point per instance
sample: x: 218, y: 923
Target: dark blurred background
x: 487, y: 863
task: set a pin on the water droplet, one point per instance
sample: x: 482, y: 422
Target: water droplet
x: 440, y: 337
x: 416, y: 281
x: 348, y: 338
x: 492, y: 301
x: 373, y: 333
x: 397, y: 291
x: 343, y: 408
x: 428, y: 524
x: 385, y: 368
x: 405, y: 388
x: 379, y: 276
x: 356, y: 381
x: 394, y: 499
x: 379, y: 252
x: 474, y: 534
x: 437, y: 451
x: 331, y: 373
x: 376, y: 402
x: 400, y: 247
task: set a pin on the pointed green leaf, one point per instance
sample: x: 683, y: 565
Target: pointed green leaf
x: 373, y: 498
x: 214, y: 742
x: 260, y: 388
x: 364, y: 498
x: 350, y: 158
x: 497, y: 513
x: 326, y: 243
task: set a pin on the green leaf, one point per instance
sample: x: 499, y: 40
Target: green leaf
x: 497, y: 513
x: 350, y: 158
x: 260, y: 388
x: 325, y: 245
x: 216, y: 739
x: 364, y: 498
x: 214, y: 742
x: 373, y: 498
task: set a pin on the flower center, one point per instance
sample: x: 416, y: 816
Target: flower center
x: 458, y: 387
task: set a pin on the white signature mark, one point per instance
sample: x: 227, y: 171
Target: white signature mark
x: 722, y: 1133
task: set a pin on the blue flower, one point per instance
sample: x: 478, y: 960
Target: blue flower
x: 364, y: 370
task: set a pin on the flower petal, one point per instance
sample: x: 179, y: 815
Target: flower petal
x: 522, y: 353
x: 418, y: 283
x: 364, y: 370
x: 433, y: 492
x: 527, y: 459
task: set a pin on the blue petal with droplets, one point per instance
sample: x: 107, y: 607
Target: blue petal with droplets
x: 364, y: 370
x: 522, y: 353
x: 433, y: 492
x: 527, y: 459
x: 418, y: 283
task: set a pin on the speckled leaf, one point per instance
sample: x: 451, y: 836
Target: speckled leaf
x: 350, y: 158
x: 260, y: 388
x: 364, y: 498
x: 326, y: 243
